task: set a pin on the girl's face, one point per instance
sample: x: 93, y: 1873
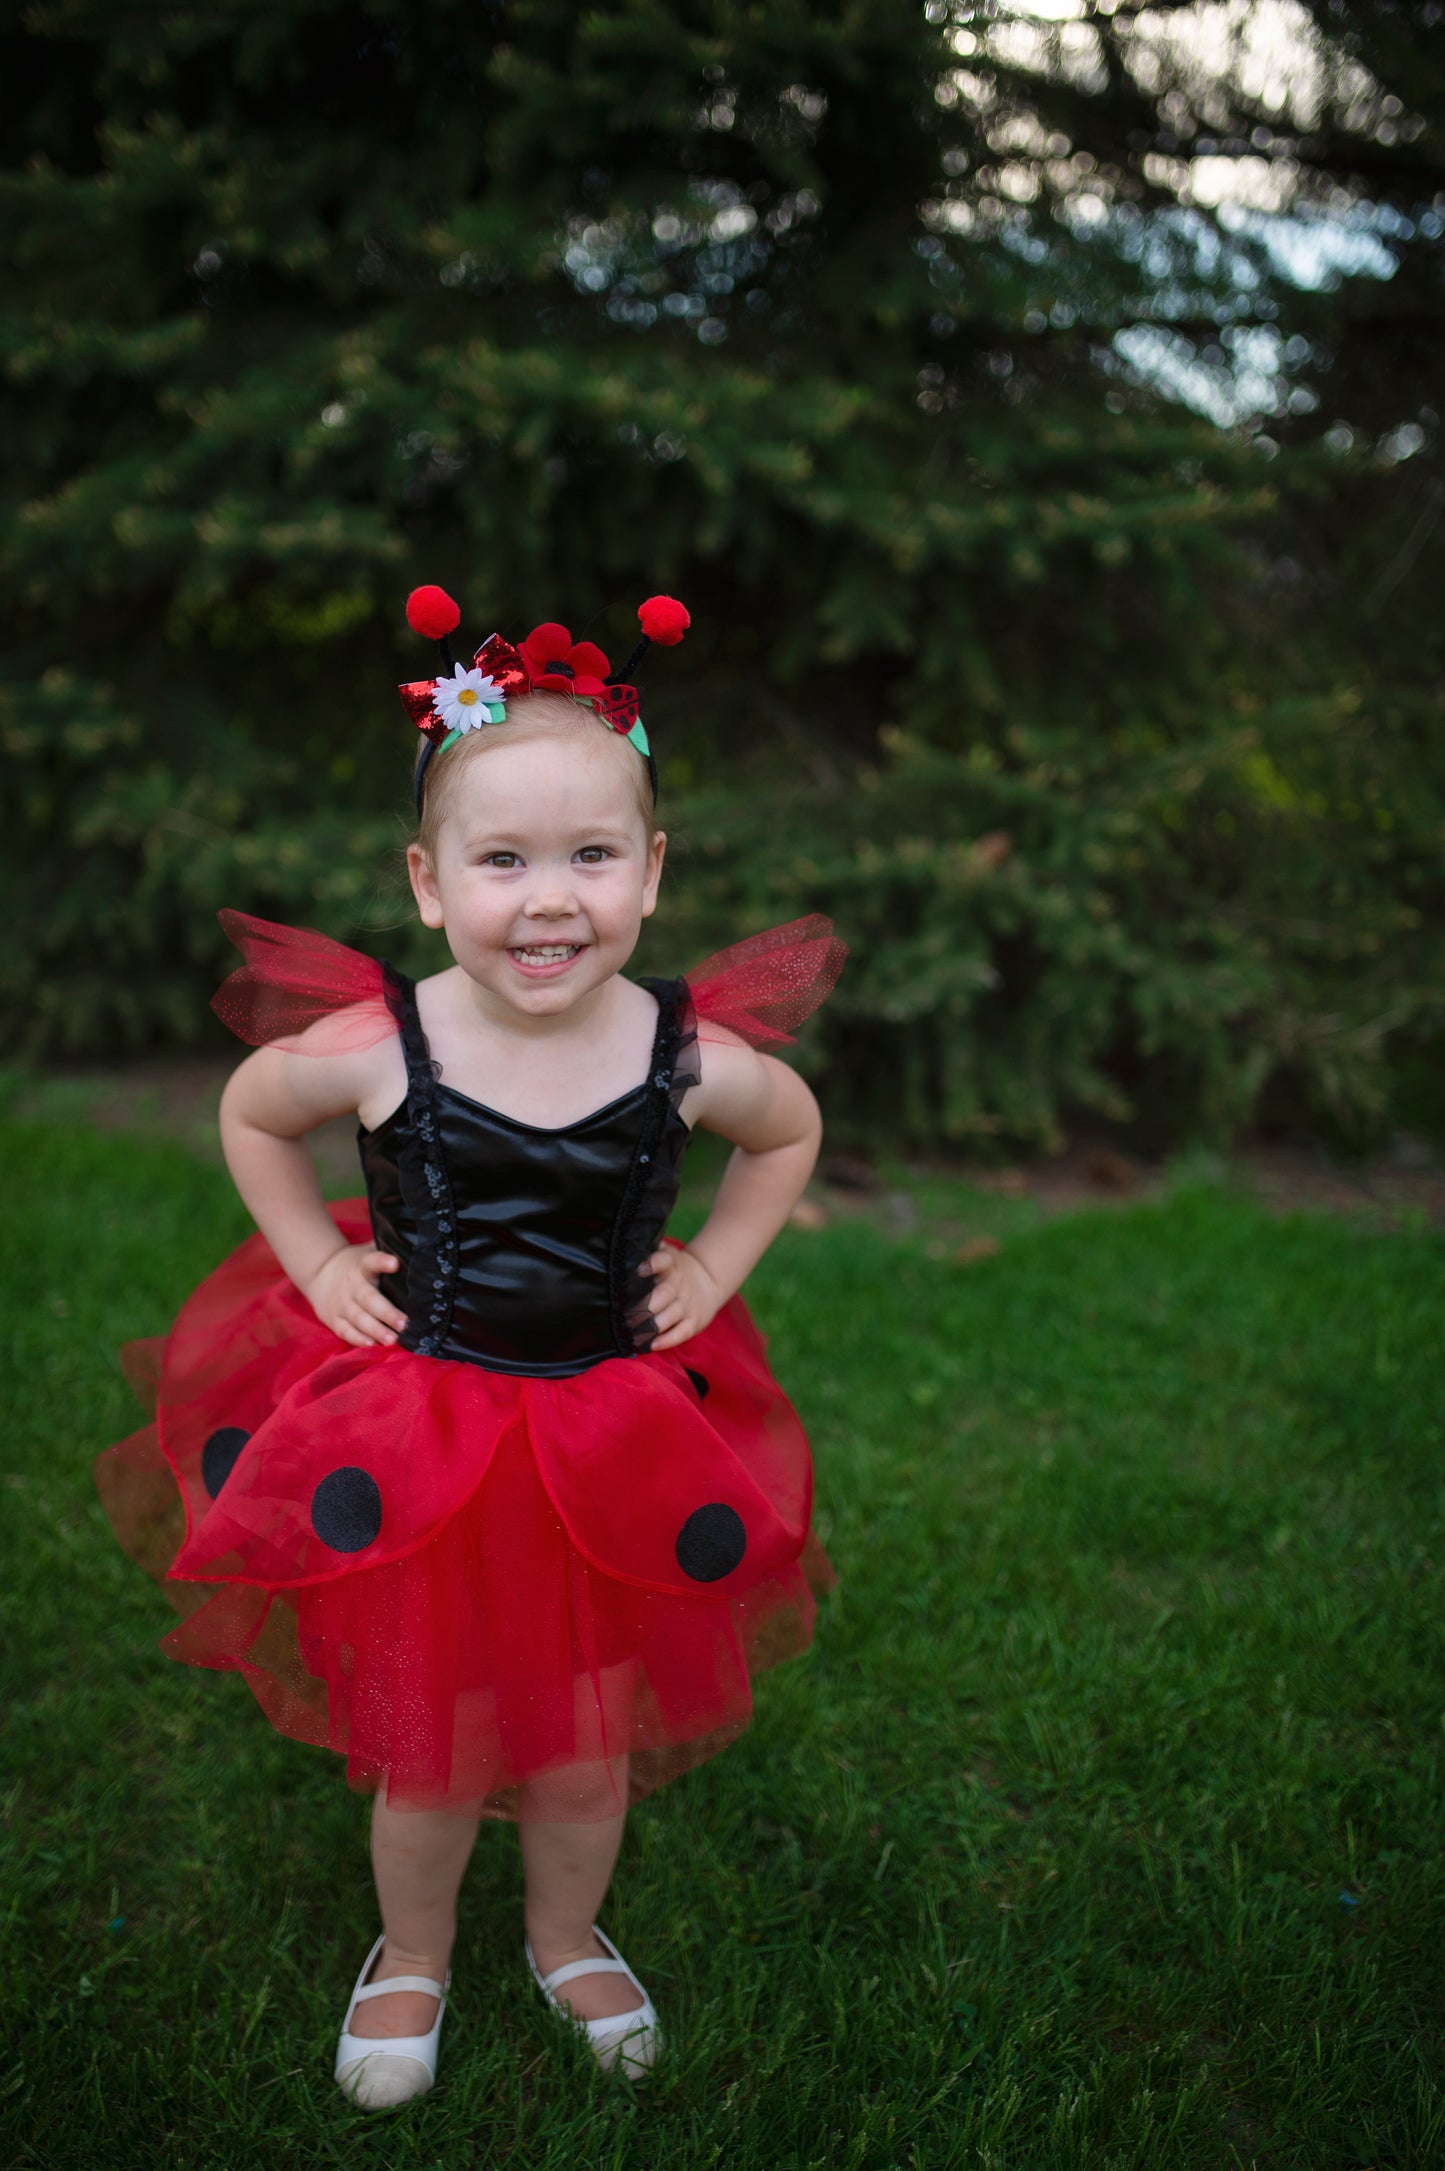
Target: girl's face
x: 544, y: 869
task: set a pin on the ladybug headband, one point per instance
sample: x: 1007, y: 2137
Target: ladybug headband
x: 464, y: 698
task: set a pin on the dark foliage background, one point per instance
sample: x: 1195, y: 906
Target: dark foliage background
x: 1107, y: 723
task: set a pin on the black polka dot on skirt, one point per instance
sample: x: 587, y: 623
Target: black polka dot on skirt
x: 699, y: 1381
x: 711, y: 1542
x: 219, y: 1455
x: 346, y: 1509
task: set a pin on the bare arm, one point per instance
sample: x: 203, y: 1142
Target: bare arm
x: 269, y: 1105
x: 773, y: 1120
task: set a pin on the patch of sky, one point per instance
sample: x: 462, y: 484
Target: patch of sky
x: 678, y: 263
x: 1245, y: 371
x: 1315, y: 250
x: 1243, y: 374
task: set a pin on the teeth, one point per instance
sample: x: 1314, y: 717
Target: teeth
x: 548, y: 954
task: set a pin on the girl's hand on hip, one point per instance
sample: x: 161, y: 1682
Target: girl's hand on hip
x: 684, y: 1297
x: 344, y: 1296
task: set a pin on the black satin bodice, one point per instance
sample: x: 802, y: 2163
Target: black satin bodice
x: 523, y: 1250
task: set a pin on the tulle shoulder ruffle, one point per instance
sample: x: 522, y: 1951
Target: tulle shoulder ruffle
x: 765, y: 986
x: 304, y: 993
x: 301, y: 992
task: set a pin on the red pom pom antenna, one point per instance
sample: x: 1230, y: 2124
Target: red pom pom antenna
x: 664, y: 620
x: 431, y: 612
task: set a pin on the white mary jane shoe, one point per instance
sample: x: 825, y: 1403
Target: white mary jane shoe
x: 380, y: 2071
x: 625, y: 2043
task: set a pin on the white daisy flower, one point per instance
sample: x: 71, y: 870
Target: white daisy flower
x: 468, y: 699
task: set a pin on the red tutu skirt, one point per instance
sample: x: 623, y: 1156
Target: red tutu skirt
x: 500, y: 1595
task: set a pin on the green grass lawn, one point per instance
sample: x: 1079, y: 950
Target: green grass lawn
x: 1102, y: 1826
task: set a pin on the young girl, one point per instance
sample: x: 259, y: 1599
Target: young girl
x: 481, y: 1483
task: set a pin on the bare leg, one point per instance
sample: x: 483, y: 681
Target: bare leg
x: 568, y: 1869
x: 418, y: 1857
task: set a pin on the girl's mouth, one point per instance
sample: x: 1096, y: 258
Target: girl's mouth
x: 545, y: 958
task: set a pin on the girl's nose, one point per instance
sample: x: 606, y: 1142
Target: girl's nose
x: 552, y: 897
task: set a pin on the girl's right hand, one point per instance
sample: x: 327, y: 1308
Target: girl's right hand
x: 344, y: 1296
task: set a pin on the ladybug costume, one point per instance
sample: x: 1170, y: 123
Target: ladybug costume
x: 516, y: 1541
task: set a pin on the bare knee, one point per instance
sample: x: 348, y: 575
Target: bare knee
x: 577, y: 1794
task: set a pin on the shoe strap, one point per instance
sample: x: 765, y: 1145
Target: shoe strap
x: 574, y: 1968
x: 399, y: 1982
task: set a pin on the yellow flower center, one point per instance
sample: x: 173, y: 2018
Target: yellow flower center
x: 467, y: 696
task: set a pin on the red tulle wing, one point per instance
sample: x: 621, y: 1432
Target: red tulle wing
x: 641, y: 1463
x: 301, y: 991
x: 762, y: 988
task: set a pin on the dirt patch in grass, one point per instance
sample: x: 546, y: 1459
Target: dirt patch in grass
x: 1401, y: 1186
x: 1385, y: 1189
x: 177, y: 1097
x: 172, y: 1097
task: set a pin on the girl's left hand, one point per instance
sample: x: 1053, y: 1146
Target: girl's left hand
x: 684, y: 1297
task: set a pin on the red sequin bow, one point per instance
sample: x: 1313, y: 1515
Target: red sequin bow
x: 549, y: 661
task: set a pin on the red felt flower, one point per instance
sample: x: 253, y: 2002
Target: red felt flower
x: 558, y: 664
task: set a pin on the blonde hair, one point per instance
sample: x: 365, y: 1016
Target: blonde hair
x: 532, y: 715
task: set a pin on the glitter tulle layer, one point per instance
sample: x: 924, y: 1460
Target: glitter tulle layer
x: 490, y: 1593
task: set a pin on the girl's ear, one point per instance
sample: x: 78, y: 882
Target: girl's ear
x: 656, y: 852
x: 424, y: 886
